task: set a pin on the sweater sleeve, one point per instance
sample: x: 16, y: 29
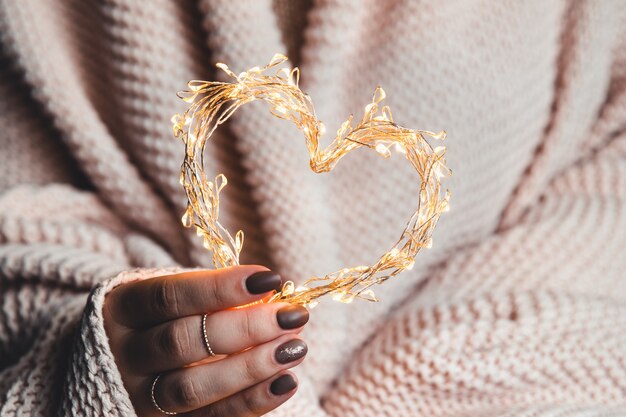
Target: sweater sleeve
x: 531, y: 321
x: 61, y: 251
x: 92, y: 383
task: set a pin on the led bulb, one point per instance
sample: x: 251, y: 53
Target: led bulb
x: 383, y: 150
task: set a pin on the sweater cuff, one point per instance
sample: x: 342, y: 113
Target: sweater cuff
x: 94, y: 384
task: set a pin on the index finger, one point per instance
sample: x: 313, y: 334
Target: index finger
x: 156, y: 300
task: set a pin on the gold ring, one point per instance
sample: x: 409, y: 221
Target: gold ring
x: 169, y: 413
x: 206, y: 337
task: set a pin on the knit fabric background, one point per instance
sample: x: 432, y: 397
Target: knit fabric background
x: 519, y: 309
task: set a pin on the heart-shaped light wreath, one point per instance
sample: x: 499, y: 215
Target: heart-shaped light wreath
x: 214, y: 102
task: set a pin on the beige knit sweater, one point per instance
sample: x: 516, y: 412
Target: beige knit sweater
x: 518, y: 310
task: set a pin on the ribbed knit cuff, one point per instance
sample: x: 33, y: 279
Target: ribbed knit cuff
x: 94, y: 384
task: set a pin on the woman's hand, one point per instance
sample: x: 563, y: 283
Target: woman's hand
x: 155, y: 330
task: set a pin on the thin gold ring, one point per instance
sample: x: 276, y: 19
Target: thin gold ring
x: 169, y: 413
x: 206, y: 337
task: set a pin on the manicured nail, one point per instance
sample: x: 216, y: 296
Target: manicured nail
x: 263, y: 281
x: 283, y: 384
x: 291, y: 351
x: 292, y: 317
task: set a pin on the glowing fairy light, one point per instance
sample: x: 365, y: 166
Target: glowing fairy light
x: 212, y: 103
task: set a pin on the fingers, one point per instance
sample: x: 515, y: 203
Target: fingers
x: 153, y: 301
x: 180, y: 342
x: 191, y: 388
x: 254, y: 401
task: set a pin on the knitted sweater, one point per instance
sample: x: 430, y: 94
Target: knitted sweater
x: 518, y: 309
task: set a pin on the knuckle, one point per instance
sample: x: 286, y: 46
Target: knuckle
x: 214, y: 411
x: 217, y: 292
x: 220, y: 409
x: 247, y: 325
x: 122, y: 307
x: 184, y: 393
x: 174, y: 341
x: 165, y: 298
x: 252, y: 402
x: 253, y: 369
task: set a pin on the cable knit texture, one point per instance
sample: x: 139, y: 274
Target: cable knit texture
x: 518, y: 310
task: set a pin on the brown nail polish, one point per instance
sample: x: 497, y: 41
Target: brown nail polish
x: 292, y: 317
x: 263, y: 281
x: 283, y: 384
x: 291, y: 351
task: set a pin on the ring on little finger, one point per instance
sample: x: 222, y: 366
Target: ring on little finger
x: 154, y: 401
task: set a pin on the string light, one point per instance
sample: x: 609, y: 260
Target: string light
x: 212, y: 103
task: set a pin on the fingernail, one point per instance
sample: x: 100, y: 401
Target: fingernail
x: 283, y: 384
x: 292, y: 317
x: 263, y: 281
x: 291, y: 351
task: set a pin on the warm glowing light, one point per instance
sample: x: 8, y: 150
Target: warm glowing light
x: 383, y: 150
x: 212, y: 103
